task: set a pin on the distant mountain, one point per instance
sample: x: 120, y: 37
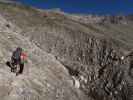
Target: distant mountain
x: 9, y: 1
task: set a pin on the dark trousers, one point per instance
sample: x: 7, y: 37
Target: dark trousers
x: 21, y: 68
x: 14, y: 66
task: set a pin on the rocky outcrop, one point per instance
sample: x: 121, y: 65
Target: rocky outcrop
x: 99, y: 69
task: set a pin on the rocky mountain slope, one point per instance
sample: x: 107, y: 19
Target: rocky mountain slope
x: 90, y: 50
x: 44, y: 77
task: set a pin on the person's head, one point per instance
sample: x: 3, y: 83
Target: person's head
x: 19, y: 49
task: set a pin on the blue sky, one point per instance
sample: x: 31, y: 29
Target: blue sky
x: 85, y: 6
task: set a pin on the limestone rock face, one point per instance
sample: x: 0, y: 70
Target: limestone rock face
x: 44, y: 78
x: 71, y: 57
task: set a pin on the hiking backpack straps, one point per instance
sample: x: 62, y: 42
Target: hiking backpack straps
x: 17, y: 54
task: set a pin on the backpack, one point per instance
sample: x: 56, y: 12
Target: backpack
x: 23, y: 57
x: 17, y: 54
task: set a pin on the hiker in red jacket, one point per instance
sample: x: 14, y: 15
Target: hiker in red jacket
x: 18, y: 58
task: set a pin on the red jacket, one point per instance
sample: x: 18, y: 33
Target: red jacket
x: 23, y: 56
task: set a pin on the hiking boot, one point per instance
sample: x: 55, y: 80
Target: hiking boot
x: 17, y: 74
